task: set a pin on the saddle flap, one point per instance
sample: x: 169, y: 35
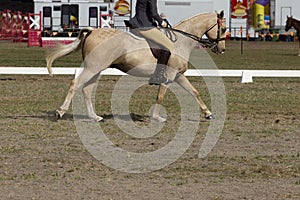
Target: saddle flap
x: 155, y: 48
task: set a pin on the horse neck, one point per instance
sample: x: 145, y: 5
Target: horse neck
x: 296, y: 24
x: 197, y: 25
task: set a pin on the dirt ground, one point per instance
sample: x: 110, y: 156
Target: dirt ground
x: 256, y: 157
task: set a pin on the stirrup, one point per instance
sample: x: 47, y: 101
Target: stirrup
x: 158, y: 81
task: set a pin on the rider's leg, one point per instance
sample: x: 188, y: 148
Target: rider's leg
x: 158, y: 37
x: 159, y: 74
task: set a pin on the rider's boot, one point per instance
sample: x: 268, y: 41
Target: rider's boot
x: 159, y: 74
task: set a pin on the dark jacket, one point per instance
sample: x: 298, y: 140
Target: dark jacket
x: 145, y: 14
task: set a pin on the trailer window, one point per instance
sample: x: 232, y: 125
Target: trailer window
x: 56, y: 8
x: 103, y: 8
x: 47, y: 12
x: 93, y: 12
x: 47, y: 18
x: 93, y: 16
x: 69, y: 16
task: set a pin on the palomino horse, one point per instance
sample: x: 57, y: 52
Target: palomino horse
x: 291, y: 22
x: 104, y: 48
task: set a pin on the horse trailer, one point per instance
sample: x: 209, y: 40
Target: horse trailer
x: 59, y: 15
x: 75, y: 14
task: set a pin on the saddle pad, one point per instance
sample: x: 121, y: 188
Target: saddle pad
x: 134, y: 35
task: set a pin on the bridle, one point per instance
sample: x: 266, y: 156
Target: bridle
x: 210, y: 43
x: 291, y: 24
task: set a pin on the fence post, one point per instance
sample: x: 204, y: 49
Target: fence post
x: 35, y: 29
x: 106, y: 20
x: 246, y: 77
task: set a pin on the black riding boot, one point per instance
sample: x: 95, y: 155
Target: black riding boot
x: 159, y: 74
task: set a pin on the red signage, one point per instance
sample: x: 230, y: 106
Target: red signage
x: 239, y: 9
x: 122, y: 7
x: 34, y: 38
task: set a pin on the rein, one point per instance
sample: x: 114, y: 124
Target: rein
x: 211, y: 43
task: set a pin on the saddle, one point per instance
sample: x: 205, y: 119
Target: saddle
x: 154, y: 47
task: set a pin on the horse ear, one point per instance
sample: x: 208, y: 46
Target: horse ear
x: 222, y: 14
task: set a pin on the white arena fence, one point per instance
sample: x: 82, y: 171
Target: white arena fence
x: 245, y: 75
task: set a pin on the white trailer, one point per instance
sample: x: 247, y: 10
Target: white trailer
x: 285, y: 8
x: 56, y: 14
x: 70, y: 14
x: 177, y: 10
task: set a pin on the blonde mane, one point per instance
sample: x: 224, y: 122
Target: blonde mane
x: 190, y: 18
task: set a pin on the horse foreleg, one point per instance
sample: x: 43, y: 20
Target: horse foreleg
x: 159, y: 99
x: 185, y: 83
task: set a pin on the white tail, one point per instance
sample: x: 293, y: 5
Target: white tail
x: 63, y: 50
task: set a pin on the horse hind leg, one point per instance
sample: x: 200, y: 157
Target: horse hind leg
x: 88, y: 90
x: 65, y: 106
x: 84, y: 80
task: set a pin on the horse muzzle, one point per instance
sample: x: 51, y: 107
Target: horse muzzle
x: 215, y: 49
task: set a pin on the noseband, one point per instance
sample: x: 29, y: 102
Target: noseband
x: 216, y: 41
x: 210, y: 43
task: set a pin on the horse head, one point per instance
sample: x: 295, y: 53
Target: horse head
x: 289, y: 23
x: 217, y: 34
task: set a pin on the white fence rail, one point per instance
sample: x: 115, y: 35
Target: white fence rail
x: 245, y: 75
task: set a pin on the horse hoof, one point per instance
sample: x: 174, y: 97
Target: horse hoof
x: 99, y: 119
x: 57, y: 115
x: 159, y: 119
x: 210, y: 117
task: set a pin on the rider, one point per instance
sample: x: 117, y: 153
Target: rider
x: 144, y: 19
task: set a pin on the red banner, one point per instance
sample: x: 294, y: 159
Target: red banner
x: 239, y: 8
